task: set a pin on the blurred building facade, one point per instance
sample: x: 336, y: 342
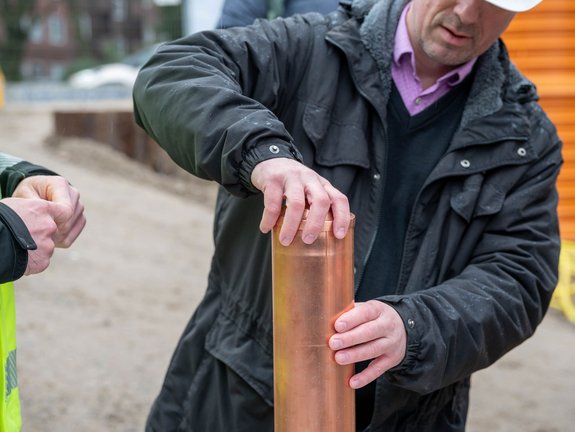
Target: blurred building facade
x: 63, y: 31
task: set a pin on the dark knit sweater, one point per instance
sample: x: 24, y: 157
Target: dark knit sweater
x: 415, y: 145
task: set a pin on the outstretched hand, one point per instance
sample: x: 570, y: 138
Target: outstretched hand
x: 370, y: 331
x: 300, y: 186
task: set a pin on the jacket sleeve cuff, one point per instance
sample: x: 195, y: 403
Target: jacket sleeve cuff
x: 13, y: 175
x: 16, y: 241
x: 259, y: 154
x: 413, y: 331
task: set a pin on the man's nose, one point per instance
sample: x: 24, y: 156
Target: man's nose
x: 468, y: 10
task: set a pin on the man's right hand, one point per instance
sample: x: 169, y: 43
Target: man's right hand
x: 283, y: 178
x: 39, y: 216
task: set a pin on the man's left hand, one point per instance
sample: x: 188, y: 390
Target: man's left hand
x: 370, y: 331
x: 71, y: 220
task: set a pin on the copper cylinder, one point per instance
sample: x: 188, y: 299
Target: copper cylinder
x: 312, y: 286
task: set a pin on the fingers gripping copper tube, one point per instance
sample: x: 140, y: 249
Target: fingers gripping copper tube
x: 312, y: 286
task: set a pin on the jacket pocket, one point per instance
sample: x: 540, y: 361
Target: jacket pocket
x: 477, y: 199
x: 227, y: 342
x: 336, y: 141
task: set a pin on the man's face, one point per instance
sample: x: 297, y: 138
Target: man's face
x: 451, y: 32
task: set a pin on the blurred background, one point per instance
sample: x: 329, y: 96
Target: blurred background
x: 97, y: 329
x: 45, y: 43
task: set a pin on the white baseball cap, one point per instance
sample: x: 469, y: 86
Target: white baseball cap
x: 515, y: 5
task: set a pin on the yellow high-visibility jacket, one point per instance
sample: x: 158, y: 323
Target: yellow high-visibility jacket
x: 10, y: 420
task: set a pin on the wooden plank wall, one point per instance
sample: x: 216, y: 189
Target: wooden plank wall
x: 117, y: 129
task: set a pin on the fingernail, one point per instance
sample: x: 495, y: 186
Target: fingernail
x: 340, y: 233
x: 309, y: 238
x: 354, y: 383
x: 340, y: 326
x: 340, y: 357
x: 336, y: 344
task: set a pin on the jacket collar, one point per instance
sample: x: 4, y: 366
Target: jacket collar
x: 496, y: 81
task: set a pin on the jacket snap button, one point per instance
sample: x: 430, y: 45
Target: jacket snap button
x: 274, y: 149
x: 376, y: 177
x: 521, y: 151
x: 411, y: 323
x: 465, y: 163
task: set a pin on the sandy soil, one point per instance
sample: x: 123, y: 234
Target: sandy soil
x: 97, y: 329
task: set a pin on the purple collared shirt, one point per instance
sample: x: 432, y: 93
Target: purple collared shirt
x: 405, y: 77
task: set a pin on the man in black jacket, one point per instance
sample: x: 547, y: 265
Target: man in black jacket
x: 39, y: 211
x: 411, y: 116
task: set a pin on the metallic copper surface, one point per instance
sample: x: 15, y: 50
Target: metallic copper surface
x: 312, y: 286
